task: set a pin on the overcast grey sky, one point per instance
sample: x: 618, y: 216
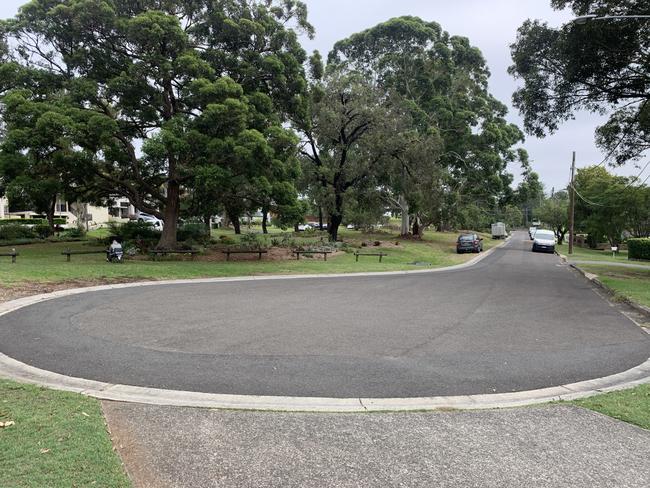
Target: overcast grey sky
x: 491, y: 25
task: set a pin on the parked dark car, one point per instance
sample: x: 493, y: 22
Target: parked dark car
x: 469, y: 243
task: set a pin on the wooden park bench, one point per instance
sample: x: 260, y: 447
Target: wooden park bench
x: 69, y: 253
x: 380, y: 254
x: 164, y: 252
x: 11, y: 254
x: 259, y: 252
x: 324, y: 253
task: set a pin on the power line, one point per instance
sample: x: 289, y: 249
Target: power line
x: 632, y: 181
x: 587, y: 201
x: 638, y: 176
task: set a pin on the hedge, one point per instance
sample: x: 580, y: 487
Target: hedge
x: 57, y: 221
x: 638, y: 248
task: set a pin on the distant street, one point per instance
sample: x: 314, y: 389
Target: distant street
x: 516, y: 321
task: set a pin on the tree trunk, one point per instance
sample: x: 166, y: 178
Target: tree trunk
x: 207, y: 220
x: 404, y: 209
x: 172, y: 207
x: 236, y: 224
x: 49, y: 214
x: 333, y: 227
x: 335, y: 218
x: 265, y: 219
x: 320, y: 217
x: 417, y: 227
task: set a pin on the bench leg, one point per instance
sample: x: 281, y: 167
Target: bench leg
x: 13, y: 259
x: 260, y: 256
x: 380, y: 256
x: 68, y: 257
x: 227, y: 256
x: 324, y: 256
x: 357, y: 256
x: 297, y: 256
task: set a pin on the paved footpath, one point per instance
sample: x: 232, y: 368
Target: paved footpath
x: 552, y: 446
x: 611, y: 263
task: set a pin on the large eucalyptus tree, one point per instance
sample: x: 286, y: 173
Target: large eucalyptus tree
x: 156, y: 89
x: 443, y: 81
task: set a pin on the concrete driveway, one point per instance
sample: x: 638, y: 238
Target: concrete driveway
x: 541, y: 447
x: 516, y: 321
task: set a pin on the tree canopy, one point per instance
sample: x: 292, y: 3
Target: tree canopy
x: 608, y: 205
x: 158, y: 90
x: 598, y: 66
x: 443, y: 82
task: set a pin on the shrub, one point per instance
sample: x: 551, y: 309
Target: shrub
x: 250, y: 241
x: 42, y: 231
x: 196, y: 232
x: 75, y: 233
x: 132, y: 231
x: 16, y: 231
x: 4, y: 222
x: 226, y: 240
x: 638, y: 248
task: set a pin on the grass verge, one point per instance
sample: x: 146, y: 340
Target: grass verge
x: 631, y: 406
x: 44, y: 263
x: 629, y: 283
x: 59, y: 439
x: 583, y: 254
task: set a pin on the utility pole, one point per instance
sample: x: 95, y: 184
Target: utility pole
x: 572, y: 204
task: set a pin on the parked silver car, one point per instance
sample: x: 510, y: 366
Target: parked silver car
x: 544, y: 240
x: 154, y: 221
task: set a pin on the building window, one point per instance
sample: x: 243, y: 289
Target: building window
x: 62, y: 207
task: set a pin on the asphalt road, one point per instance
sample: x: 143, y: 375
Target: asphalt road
x: 515, y: 321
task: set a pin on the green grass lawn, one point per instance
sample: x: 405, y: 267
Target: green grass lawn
x: 59, y: 439
x: 43, y: 262
x: 629, y: 283
x: 631, y: 406
x: 583, y: 254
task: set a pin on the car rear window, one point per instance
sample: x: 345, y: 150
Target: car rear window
x: 466, y: 238
x: 544, y: 235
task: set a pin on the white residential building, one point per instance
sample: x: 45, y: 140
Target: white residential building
x: 95, y: 216
x: 4, y: 207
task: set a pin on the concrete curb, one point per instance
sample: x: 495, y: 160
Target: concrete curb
x: 15, y: 370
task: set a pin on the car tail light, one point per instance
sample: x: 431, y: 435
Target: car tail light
x: 475, y: 242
